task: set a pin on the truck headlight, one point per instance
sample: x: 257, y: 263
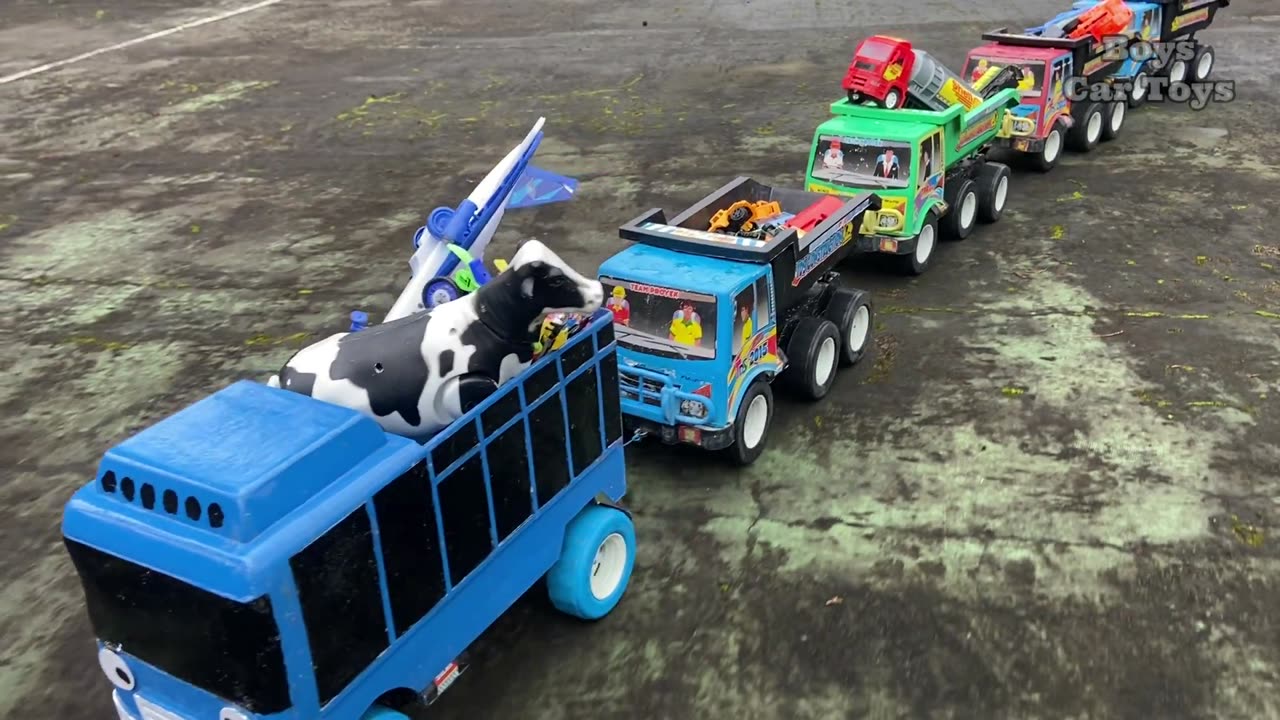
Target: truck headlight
x: 116, y: 669
x: 1019, y: 126
x: 883, y: 221
x: 693, y: 408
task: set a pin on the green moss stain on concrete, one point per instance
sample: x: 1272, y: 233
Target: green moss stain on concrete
x: 220, y: 97
x: 36, y: 605
x: 987, y: 489
x: 113, y: 246
x: 111, y: 376
x: 360, y: 114
x: 67, y: 307
x: 121, y: 124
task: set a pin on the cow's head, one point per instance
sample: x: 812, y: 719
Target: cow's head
x: 549, y: 283
x: 536, y: 283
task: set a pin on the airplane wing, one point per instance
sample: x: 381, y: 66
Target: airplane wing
x: 541, y: 187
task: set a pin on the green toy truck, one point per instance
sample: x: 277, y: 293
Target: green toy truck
x: 929, y: 167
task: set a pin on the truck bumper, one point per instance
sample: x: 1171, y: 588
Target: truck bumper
x: 703, y: 437
x: 886, y: 244
x: 1022, y: 144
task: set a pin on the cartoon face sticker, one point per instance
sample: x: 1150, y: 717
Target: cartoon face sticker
x: 979, y: 70
x: 833, y: 158
x: 686, y: 325
x: 1028, y: 80
x: 886, y: 165
x: 618, y: 305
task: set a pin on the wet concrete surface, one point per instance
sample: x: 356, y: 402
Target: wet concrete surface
x: 1051, y: 493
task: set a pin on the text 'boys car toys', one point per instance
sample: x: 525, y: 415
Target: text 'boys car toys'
x: 707, y: 317
x: 262, y: 553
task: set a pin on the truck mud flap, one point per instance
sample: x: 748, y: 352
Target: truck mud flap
x: 602, y: 499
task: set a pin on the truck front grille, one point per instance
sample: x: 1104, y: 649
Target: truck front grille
x: 630, y: 384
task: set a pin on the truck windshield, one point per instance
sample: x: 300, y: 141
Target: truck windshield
x: 861, y: 163
x: 875, y: 51
x: 661, y: 321
x: 227, y: 648
x: 1031, y: 72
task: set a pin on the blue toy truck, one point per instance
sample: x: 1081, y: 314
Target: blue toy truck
x: 711, y: 306
x: 1166, y: 21
x: 264, y: 555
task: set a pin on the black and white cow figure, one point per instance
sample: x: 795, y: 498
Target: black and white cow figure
x: 417, y: 374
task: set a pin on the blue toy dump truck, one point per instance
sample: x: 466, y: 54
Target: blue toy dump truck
x: 261, y: 554
x: 739, y: 289
x: 1165, y: 21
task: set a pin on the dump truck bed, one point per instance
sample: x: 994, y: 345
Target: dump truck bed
x: 813, y: 234
x: 1087, y: 56
x: 1182, y: 18
x: 934, y: 86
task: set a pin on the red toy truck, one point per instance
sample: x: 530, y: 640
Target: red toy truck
x: 892, y: 74
x: 879, y: 71
x: 1048, y: 57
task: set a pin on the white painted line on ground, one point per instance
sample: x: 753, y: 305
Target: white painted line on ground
x: 136, y: 41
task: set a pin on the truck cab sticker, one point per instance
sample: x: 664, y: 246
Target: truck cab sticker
x: 702, y: 235
x: 929, y: 176
x: 1056, y: 103
x: 1189, y: 19
x: 954, y: 93
x: 619, y: 306
x: 1061, y: 68
x: 860, y: 163
x: 977, y: 129
x: 755, y: 336
x: 762, y: 350
x: 662, y: 321
x: 1150, y: 21
x: 1095, y: 65
x: 894, y: 203
x: 821, y: 252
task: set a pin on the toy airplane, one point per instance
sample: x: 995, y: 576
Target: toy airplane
x: 448, y: 259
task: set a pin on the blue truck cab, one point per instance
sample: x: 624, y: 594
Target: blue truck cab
x: 710, y: 307
x: 264, y: 555
x: 1164, y: 21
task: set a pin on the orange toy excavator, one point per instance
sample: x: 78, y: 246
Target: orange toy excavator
x: 742, y: 216
x: 1102, y: 20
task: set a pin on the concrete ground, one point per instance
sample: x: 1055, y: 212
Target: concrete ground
x: 1051, y: 493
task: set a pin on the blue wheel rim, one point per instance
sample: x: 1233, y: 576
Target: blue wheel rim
x: 438, y: 292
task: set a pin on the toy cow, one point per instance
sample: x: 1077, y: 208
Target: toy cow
x: 417, y: 374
